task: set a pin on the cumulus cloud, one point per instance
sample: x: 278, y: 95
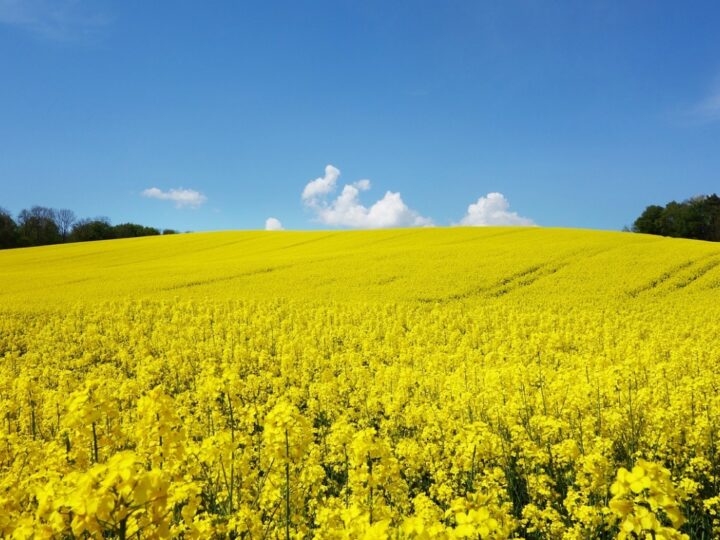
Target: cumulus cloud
x: 183, y: 198
x: 346, y: 210
x: 494, y: 209
x: 273, y: 224
x: 321, y: 186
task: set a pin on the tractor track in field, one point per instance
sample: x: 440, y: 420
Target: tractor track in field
x: 700, y: 273
x: 519, y: 279
x: 674, y: 272
x: 506, y: 285
x: 220, y: 279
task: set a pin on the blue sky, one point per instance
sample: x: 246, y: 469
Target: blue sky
x: 571, y: 114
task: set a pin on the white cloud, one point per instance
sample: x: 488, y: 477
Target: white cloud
x: 494, y: 209
x: 708, y: 110
x: 273, y: 224
x: 346, y: 210
x: 362, y: 185
x: 321, y: 186
x: 60, y: 20
x: 181, y: 197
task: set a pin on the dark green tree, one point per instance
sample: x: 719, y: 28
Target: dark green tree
x: 709, y: 208
x: 132, y: 230
x: 698, y: 218
x: 650, y: 221
x: 87, y: 230
x: 9, y: 236
x: 37, y: 227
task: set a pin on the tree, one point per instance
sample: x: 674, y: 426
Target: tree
x: 9, y: 236
x: 65, y: 220
x: 37, y: 226
x: 87, y: 230
x: 697, y: 217
x: 674, y: 220
x: 710, y: 211
x: 133, y: 230
x: 650, y: 221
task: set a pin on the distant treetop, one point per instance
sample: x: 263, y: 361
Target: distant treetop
x: 41, y: 226
x: 697, y: 217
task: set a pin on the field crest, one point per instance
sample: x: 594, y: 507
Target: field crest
x: 427, y: 265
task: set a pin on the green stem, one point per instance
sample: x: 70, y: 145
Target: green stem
x: 95, y: 443
x: 287, y: 486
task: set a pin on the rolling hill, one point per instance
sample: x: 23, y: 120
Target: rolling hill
x: 426, y: 265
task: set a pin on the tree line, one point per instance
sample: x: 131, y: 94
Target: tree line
x: 697, y: 217
x: 41, y: 226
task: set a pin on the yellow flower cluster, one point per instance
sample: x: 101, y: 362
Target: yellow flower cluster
x: 493, y: 406
x: 642, y: 498
x: 120, y: 497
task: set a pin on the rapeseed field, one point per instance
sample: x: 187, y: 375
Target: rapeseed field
x: 480, y: 383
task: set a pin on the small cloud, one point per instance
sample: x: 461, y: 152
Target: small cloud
x: 346, y: 210
x: 59, y: 20
x: 494, y: 209
x: 321, y: 186
x: 273, y: 224
x: 708, y: 110
x: 183, y: 198
x: 362, y: 185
